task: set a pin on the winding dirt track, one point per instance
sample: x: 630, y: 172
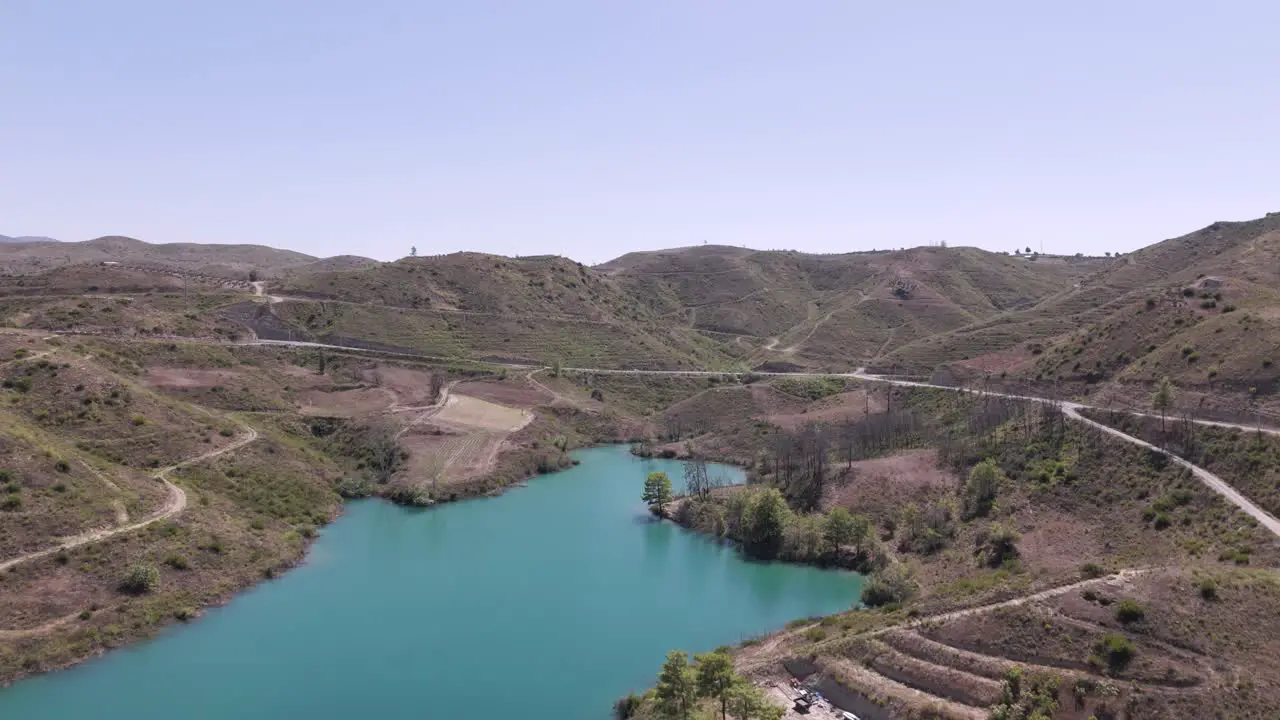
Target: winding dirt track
x: 1072, y: 410
x: 174, y: 504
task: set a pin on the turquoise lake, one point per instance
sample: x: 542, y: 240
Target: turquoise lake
x: 546, y: 603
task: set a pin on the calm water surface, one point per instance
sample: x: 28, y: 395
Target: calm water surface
x: 546, y: 603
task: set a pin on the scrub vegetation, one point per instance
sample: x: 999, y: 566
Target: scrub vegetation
x: 155, y: 459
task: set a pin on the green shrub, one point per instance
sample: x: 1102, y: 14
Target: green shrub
x: 138, y: 420
x: 1208, y: 589
x: 177, y: 562
x: 142, y: 578
x: 981, y: 488
x: 62, y: 466
x: 997, y: 545
x: 1129, y: 611
x: 1091, y: 570
x: 13, y: 487
x: 1239, y: 556
x: 893, y: 585
x: 1027, y: 698
x: 627, y: 706
x: 6, y: 475
x: 815, y: 634
x: 1115, y: 650
x: 11, y: 502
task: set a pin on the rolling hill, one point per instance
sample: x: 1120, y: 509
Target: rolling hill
x: 1202, y: 309
x: 22, y: 257
x: 839, y: 310
x: 1173, y: 308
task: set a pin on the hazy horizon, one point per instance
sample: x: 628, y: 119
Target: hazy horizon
x: 591, y: 130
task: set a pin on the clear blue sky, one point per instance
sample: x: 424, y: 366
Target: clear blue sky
x: 591, y: 128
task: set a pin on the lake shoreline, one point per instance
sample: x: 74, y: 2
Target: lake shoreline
x: 248, y: 578
x: 761, y: 598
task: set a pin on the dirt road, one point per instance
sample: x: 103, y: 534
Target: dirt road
x: 1072, y: 410
x: 174, y: 504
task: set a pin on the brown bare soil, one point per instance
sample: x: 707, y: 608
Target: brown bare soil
x: 881, y: 487
x: 834, y: 409
x: 184, y: 377
x: 473, y: 413
x: 504, y: 393
x: 357, y: 402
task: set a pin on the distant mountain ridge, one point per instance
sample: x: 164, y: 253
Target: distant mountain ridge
x: 26, y: 239
x: 22, y: 256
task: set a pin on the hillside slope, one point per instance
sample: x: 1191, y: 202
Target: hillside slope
x: 233, y: 261
x: 839, y: 310
x: 1202, y: 309
x: 537, y: 310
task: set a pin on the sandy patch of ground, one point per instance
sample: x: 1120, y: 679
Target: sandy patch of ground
x: 1015, y: 359
x: 476, y: 414
x: 460, y: 441
x: 437, y: 458
x: 1056, y: 542
x: 63, y: 591
x: 832, y: 409
x: 510, y: 394
x: 772, y: 402
x: 411, y: 387
x: 883, y: 485
x: 182, y: 377
x: 346, y: 403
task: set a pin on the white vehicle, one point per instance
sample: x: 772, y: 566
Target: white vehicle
x: 849, y: 716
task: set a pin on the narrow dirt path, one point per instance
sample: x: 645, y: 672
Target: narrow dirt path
x: 555, y: 395
x: 174, y: 504
x: 1119, y: 578
x: 427, y: 411
x: 39, y: 629
x: 1072, y: 410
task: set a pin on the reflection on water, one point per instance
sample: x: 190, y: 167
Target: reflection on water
x: 547, y: 602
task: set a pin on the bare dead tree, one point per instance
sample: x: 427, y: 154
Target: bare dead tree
x: 696, y: 480
x: 382, y: 451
